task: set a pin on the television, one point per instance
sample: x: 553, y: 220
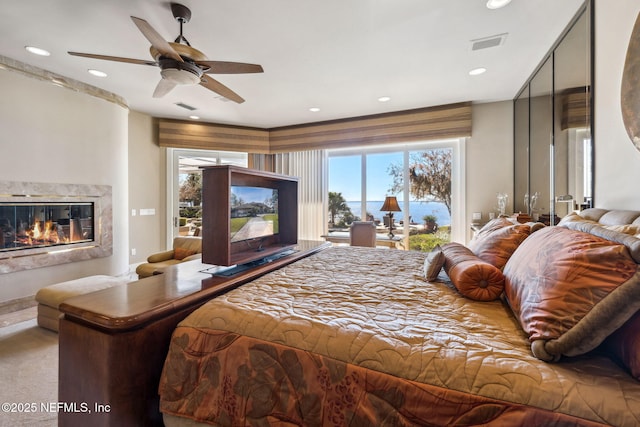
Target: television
x: 247, y: 215
x: 254, y: 214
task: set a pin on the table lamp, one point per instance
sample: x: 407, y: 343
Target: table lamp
x: 390, y: 205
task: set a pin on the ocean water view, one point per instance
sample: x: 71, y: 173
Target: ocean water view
x: 417, y: 210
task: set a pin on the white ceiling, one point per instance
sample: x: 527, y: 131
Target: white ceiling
x: 337, y: 55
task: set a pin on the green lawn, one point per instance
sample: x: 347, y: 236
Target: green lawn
x: 274, y: 218
x: 426, y: 242
x: 238, y: 223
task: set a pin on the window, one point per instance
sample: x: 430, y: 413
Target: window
x: 425, y: 178
x: 345, y: 192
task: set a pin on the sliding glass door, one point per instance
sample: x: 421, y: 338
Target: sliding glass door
x: 184, y: 184
x: 426, y: 180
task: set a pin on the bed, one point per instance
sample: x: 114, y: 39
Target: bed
x: 358, y: 336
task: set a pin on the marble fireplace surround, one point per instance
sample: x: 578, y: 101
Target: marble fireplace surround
x: 102, y: 246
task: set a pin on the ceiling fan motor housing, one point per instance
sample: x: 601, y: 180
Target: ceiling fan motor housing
x: 181, y: 73
x: 180, y: 12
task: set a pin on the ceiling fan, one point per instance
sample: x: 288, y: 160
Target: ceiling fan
x: 181, y: 64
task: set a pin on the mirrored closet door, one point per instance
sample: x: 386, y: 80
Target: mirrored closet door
x: 553, y: 148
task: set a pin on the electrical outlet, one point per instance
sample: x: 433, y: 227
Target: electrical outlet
x: 476, y: 216
x: 133, y: 212
x: 133, y: 252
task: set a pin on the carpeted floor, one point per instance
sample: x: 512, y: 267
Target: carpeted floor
x: 28, y: 372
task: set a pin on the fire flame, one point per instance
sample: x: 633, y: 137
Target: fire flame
x: 48, y: 235
x: 36, y: 233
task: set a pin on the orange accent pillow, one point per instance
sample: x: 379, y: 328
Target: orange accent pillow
x: 472, y: 277
x: 570, y: 290
x: 497, y: 245
x: 182, y: 253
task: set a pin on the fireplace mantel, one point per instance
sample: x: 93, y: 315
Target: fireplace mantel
x: 33, y: 192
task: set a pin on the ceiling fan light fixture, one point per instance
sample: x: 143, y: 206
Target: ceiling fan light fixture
x: 180, y: 77
x: 497, y: 4
x: 37, y: 51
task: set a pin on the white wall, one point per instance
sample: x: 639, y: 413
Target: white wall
x: 57, y: 135
x: 617, y: 161
x: 147, y: 188
x: 489, y: 158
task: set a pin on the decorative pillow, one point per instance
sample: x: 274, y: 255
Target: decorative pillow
x: 624, y: 345
x: 570, y: 290
x: 631, y: 242
x: 535, y: 226
x: 497, y: 245
x: 182, y: 253
x: 624, y: 229
x: 472, y: 277
x: 433, y: 263
x: 575, y: 217
x: 493, y: 225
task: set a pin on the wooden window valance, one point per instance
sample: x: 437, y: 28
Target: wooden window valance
x: 442, y: 122
x: 575, y: 108
x: 211, y: 136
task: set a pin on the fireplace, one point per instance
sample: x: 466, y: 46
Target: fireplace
x: 43, y: 224
x: 30, y: 225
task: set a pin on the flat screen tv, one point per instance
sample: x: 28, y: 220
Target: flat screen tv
x: 248, y: 215
x: 254, y: 214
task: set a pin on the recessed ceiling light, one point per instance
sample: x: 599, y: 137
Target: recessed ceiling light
x: 194, y: 117
x: 97, y: 73
x: 314, y: 109
x: 497, y: 4
x: 384, y: 98
x: 477, y: 71
x: 37, y: 51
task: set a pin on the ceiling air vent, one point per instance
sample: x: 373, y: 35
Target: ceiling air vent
x: 487, y: 42
x: 185, y: 106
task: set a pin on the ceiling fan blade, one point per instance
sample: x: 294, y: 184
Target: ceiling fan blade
x: 164, y: 87
x: 156, y: 39
x: 221, y: 89
x: 114, y: 58
x: 223, y: 67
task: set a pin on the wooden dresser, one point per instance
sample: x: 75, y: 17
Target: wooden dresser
x: 113, y: 342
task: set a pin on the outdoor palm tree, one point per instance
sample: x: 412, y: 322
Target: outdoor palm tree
x: 337, y: 205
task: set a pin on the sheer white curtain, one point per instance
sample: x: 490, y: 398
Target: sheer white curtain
x: 311, y: 169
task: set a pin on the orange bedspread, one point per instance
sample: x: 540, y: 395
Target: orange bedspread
x: 353, y: 336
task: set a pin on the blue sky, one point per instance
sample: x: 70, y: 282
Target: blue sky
x: 345, y: 175
x: 252, y: 194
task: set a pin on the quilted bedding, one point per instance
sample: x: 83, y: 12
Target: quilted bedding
x: 355, y: 336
